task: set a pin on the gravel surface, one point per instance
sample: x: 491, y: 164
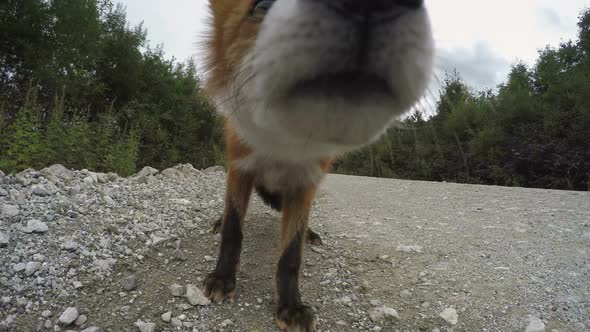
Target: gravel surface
x: 83, y: 251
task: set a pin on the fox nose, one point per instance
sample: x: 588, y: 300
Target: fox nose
x: 369, y: 7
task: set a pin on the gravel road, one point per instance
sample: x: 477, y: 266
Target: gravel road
x: 83, y: 251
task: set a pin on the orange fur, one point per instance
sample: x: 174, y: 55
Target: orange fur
x: 232, y: 34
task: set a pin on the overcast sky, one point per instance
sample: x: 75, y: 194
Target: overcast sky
x: 479, y: 38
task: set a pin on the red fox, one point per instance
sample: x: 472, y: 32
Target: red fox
x: 301, y: 82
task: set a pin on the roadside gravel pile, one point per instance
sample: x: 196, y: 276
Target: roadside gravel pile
x: 59, y: 228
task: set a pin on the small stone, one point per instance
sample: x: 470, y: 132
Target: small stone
x: 227, y: 323
x: 10, y: 211
x: 68, y: 316
x: 217, y: 237
x: 19, y: 267
x: 145, y: 327
x: 450, y: 316
x: 4, y: 240
x: 534, y: 324
x: 46, y: 314
x: 108, y: 200
x: 179, y: 255
x: 39, y: 258
x: 22, y: 302
x: 70, y: 245
x: 167, y: 316
x: 405, y: 293
x: 35, y: 226
x: 77, y: 284
x: 92, y: 329
x: 415, y: 249
x: 81, y: 320
x: 147, y: 171
x: 195, y: 296
x: 48, y: 324
x: 32, y: 267
x: 214, y: 169
x: 131, y: 283
x: 176, y: 322
x: 383, y: 313
x: 105, y: 265
x: 209, y: 259
x: 40, y: 191
x: 177, y: 290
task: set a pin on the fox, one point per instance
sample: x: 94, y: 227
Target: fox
x: 300, y: 83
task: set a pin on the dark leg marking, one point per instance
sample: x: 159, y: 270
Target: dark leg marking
x: 292, y: 314
x: 221, y: 282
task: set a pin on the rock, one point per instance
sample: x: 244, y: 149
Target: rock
x: 145, y: 327
x: 81, y: 320
x: 176, y: 322
x: 48, y: 324
x: 35, y: 226
x: 77, y: 284
x: 179, y: 255
x: 4, y: 240
x: 147, y: 171
x: 209, y: 259
x: 450, y: 316
x: 402, y: 248
x: 68, y: 316
x: 195, y: 296
x: 102, y: 178
x: 70, y: 245
x: 534, y: 324
x: 215, y: 169
x: 383, y: 313
x: 170, y: 172
x: 141, y: 179
x: 46, y: 314
x: 39, y: 190
x: 92, y: 329
x: 131, y: 283
x: 108, y: 200
x: 105, y: 265
x: 59, y: 171
x: 112, y: 177
x: 176, y: 290
x: 19, y: 267
x: 217, y: 238
x: 32, y: 267
x: 9, y: 211
x: 167, y: 316
x: 227, y: 323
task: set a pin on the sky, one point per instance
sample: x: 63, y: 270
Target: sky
x: 481, y: 39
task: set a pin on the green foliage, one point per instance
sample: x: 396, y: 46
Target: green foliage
x: 79, y: 86
x: 533, y: 131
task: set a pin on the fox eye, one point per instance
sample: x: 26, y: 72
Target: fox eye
x: 259, y: 9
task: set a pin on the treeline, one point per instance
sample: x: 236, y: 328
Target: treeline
x: 534, y: 131
x: 81, y: 87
